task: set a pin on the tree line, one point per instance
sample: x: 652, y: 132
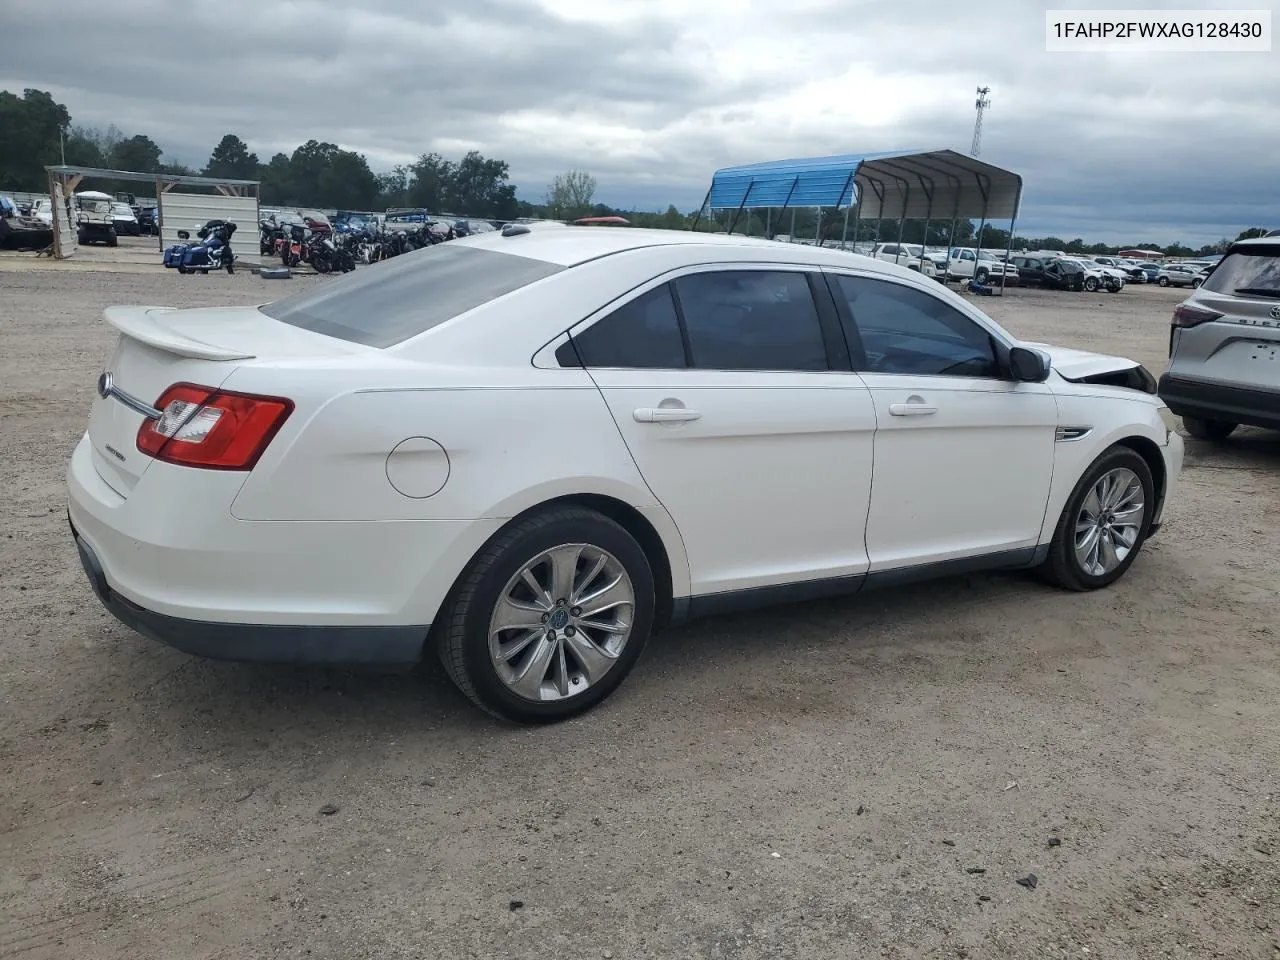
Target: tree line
x: 36, y: 131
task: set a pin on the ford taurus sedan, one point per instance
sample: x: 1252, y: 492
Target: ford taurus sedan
x: 526, y: 451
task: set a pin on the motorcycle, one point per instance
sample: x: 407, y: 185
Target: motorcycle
x: 270, y: 233
x: 213, y: 252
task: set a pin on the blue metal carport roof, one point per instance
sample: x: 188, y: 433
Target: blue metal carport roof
x: 941, y: 184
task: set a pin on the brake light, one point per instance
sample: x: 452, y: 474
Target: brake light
x: 1185, y: 316
x: 214, y: 429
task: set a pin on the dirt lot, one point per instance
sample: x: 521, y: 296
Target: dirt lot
x: 814, y: 782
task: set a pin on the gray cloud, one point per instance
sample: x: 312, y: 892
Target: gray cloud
x: 653, y: 95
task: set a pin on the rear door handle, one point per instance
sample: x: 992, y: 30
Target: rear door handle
x: 911, y: 410
x: 664, y: 415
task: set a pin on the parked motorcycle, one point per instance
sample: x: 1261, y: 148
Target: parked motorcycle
x: 213, y: 252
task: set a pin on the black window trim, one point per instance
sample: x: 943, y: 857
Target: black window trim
x: 849, y: 328
x: 825, y: 305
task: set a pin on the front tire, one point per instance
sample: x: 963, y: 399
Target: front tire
x: 981, y: 276
x: 1104, y: 524
x: 549, y: 618
x: 1195, y: 284
x: 1214, y: 430
x: 1090, y: 284
x: 1163, y: 281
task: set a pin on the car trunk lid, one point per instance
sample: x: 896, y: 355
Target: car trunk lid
x: 161, y: 346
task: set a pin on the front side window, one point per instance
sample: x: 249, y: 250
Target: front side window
x: 751, y: 320
x: 908, y: 331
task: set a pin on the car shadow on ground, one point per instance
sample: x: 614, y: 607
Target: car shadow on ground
x: 1246, y: 448
x: 712, y: 659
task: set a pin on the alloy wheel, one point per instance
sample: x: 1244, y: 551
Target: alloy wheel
x: 1109, y: 521
x: 561, y: 622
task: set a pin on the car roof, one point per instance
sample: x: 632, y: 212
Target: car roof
x: 1263, y: 243
x: 575, y: 245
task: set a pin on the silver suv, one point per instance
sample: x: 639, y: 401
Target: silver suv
x: 1224, y: 345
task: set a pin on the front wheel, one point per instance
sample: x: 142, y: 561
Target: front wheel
x: 549, y: 618
x: 1214, y: 430
x: 1195, y: 284
x: 981, y: 276
x: 1163, y: 281
x: 1090, y: 284
x: 1104, y: 523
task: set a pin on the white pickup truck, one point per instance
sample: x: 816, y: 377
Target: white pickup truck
x: 967, y: 263
x: 909, y: 255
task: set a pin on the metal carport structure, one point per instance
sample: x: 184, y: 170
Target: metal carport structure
x: 64, y: 180
x: 900, y: 185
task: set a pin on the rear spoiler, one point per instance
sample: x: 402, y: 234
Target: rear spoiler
x: 147, y: 325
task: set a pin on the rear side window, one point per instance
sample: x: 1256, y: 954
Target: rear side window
x: 644, y: 333
x: 1247, y: 273
x: 389, y: 302
x: 751, y: 320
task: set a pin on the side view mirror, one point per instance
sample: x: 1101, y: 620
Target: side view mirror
x: 1028, y: 366
x: 184, y: 235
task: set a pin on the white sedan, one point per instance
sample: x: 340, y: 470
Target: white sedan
x: 528, y: 450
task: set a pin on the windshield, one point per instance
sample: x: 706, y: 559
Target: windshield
x: 983, y: 255
x: 1248, y: 272
x: 389, y: 302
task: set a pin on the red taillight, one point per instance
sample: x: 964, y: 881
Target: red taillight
x: 214, y: 429
x: 1185, y: 316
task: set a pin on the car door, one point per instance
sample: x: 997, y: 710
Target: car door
x: 963, y: 454
x: 726, y: 384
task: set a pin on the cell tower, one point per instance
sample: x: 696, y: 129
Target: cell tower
x: 980, y: 104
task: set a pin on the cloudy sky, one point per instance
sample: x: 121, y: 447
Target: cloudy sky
x: 651, y: 96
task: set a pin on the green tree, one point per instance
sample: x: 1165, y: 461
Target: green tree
x: 82, y: 150
x: 430, y: 181
x: 29, y: 137
x: 231, y: 159
x: 569, y: 195
x: 348, y: 183
x: 673, y: 219
x: 308, y: 163
x: 393, y: 187
x: 277, y: 181
x: 177, y: 170
x: 480, y: 188
x: 138, y: 154
x: 1252, y: 233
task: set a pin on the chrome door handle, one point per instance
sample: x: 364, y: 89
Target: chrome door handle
x: 911, y: 410
x: 664, y: 415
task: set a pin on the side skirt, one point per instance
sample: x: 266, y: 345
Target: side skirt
x: 736, y: 601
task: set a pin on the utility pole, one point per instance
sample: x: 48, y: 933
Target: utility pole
x: 980, y: 104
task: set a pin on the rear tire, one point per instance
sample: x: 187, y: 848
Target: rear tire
x: 541, y: 668
x: 1102, y: 507
x: 1214, y: 430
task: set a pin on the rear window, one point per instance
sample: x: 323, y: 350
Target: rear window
x: 389, y: 302
x: 1248, y: 273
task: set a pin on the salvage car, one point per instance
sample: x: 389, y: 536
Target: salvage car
x: 1181, y: 275
x: 525, y: 451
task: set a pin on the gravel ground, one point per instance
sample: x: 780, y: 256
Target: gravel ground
x: 856, y: 778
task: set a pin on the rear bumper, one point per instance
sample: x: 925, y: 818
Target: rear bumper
x: 171, y: 561
x: 1213, y: 401
x: 268, y: 643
